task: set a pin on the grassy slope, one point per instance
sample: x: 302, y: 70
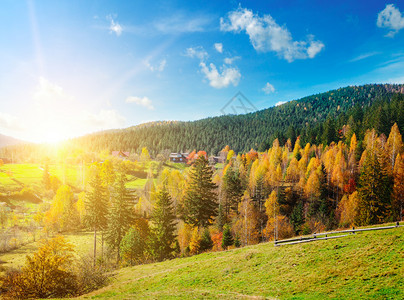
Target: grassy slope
x: 362, y: 266
x: 83, y: 242
x: 32, y: 174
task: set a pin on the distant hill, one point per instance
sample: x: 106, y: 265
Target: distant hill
x: 316, y: 119
x: 8, y: 141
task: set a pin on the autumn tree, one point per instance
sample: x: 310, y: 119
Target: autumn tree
x: 398, y: 189
x: 63, y: 213
x: 195, y: 242
x: 200, y: 207
x: 246, y: 225
x: 272, y: 212
x: 145, y: 156
x: 347, y: 209
x: 46, y: 274
x: 163, y: 226
x: 121, y: 214
x: 394, y: 144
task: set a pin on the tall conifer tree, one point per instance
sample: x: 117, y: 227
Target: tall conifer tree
x: 96, y: 206
x: 372, y: 207
x: 164, y: 226
x: 121, y: 214
x: 200, y: 207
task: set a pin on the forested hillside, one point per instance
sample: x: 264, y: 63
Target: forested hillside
x: 317, y: 119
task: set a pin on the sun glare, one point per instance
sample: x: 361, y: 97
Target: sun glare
x: 50, y: 132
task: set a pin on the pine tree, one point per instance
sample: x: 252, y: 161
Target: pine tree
x: 133, y: 246
x: 297, y: 217
x: 372, y: 207
x: 121, y: 214
x: 206, y: 241
x: 164, y: 226
x: 227, y: 237
x: 237, y: 242
x: 96, y: 207
x: 232, y: 191
x: 200, y: 207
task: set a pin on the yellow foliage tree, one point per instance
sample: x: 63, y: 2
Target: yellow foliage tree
x: 195, y: 243
x: 347, y: 208
x: 394, y: 144
x: 247, y: 222
x: 184, y: 236
x: 277, y: 226
x: 47, y: 273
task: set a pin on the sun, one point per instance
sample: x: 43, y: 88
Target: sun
x: 50, y: 132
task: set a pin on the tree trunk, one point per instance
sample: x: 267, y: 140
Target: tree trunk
x: 95, y: 244
x: 102, y: 245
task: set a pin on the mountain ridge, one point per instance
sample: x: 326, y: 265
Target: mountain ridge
x: 9, y: 141
x: 257, y: 129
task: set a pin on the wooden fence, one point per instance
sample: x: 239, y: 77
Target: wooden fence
x: 329, y: 235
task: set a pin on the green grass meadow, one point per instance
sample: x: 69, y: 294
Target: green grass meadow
x: 367, y: 265
x: 82, y: 241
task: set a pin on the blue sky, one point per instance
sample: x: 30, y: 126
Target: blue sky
x: 72, y: 67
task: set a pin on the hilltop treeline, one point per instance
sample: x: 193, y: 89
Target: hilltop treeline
x: 316, y: 119
x: 319, y: 119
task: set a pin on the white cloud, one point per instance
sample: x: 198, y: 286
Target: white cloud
x: 364, y: 56
x: 230, y: 60
x: 197, y: 52
x: 390, y: 18
x: 146, y: 102
x: 266, y: 35
x: 221, y: 79
x: 47, y: 92
x: 280, y: 103
x: 10, y: 123
x: 219, y: 47
x: 314, y: 48
x: 181, y: 23
x: 158, y: 67
x: 114, y: 26
x: 268, y: 88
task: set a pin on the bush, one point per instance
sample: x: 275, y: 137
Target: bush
x: 47, y: 273
x: 52, y: 271
x: 89, y: 277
